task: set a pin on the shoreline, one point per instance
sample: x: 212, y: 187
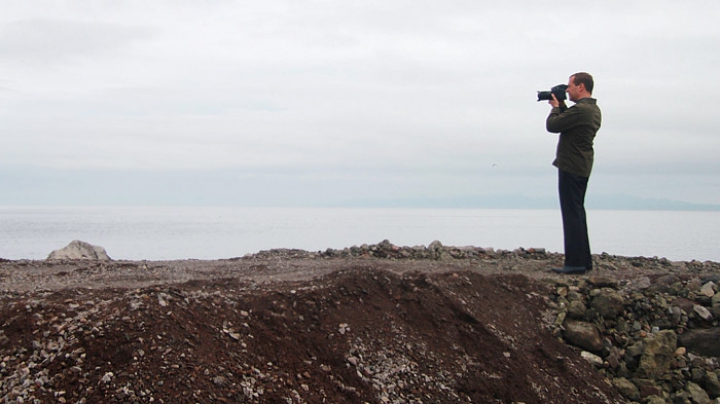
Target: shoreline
x: 295, y: 264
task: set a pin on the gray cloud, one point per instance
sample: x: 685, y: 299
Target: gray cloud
x: 433, y: 99
x: 43, y: 41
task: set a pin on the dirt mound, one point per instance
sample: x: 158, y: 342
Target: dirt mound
x: 361, y: 333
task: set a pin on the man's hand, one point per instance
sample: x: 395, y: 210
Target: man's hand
x: 554, y: 101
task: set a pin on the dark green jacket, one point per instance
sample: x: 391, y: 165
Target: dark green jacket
x: 577, y: 127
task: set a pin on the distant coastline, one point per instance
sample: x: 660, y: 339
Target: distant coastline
x: 597, y: 202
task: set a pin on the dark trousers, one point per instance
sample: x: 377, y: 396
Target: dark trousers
x: 572, y: 189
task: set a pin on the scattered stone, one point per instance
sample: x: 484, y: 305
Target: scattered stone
x: 643, y: 283
x: 648, y: 388
x: 607, y: 303
x: 576, y: 310
x: 655, y: 400
x: 583, y: 335
x: 627, y: 388
x: 219, y: 380
x: 708, y: 289
x: 602, y: 282
x: 595, y: 360
x: 702, y: 312
x: 107, y: 377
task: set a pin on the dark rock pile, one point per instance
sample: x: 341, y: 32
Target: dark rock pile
x: 385, y: 249
x: 656, y: 337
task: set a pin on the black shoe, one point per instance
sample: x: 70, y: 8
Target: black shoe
x: 568, y: 270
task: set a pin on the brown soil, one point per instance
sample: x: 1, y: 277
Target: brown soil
x: 289, y: 327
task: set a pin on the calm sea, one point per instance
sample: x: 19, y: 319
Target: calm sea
x: 159, y: 233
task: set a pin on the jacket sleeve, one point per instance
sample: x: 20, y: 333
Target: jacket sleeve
x: 559, y: 120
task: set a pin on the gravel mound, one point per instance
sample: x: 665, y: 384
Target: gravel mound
x: 375, y: 324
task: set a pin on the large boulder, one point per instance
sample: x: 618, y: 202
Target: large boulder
x: 80, y: 250
x: 702, y: 341
x: 697, y: 394
x: 658, y: 355
x: 608, y: 304
x: 583, y: 335
x: 712, y: 383
x: 627, y: 388
x: 577, y: 310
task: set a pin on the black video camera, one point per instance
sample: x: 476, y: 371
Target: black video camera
x: 558, y: 90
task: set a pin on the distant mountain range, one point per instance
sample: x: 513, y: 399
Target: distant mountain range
x: 609, y: 202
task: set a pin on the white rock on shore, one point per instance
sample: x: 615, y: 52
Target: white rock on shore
x: 80, y: 250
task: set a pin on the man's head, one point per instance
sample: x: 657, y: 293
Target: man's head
x: 580, y: 86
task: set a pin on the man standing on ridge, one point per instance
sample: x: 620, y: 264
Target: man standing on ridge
x: 577, y: 127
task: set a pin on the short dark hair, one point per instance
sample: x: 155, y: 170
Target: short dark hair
x: 584, y: 78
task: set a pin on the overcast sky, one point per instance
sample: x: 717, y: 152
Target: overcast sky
x: 321, y: 103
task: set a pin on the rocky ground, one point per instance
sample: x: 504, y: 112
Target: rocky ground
x: 369, y: 324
